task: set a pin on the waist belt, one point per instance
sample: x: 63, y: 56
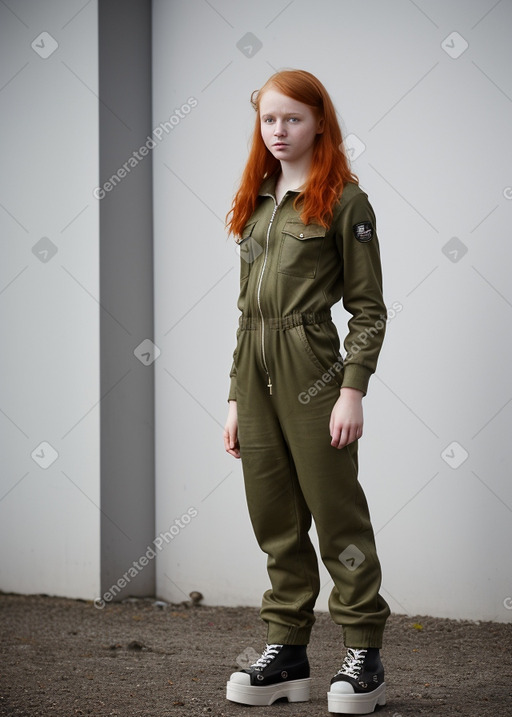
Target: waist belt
x: 286, y: 322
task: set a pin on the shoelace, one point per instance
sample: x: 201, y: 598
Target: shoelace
x: 268, y: 655
x: 352, y: 663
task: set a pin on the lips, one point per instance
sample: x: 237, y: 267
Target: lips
x: 279, y: 145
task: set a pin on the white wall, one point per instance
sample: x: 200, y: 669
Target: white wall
x: 49, y: 516
x: 436, y: 166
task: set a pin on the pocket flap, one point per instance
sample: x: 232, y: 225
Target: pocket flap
x: 301, y: 231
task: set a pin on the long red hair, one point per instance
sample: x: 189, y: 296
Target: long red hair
x: 329, y: 171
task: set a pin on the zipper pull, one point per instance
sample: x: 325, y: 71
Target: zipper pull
x: 269, y: 385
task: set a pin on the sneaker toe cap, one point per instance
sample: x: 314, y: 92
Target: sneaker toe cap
x: 240, y: 678
x: 342, y: 688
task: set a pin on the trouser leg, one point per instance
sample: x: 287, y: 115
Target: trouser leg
x: 347, y: 545
x: 328, y: 480
x: 291, y: 471
x: 279, y: 514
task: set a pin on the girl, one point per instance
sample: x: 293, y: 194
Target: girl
x: 307, y: 238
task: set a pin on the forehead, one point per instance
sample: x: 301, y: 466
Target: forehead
x: 275, y: 103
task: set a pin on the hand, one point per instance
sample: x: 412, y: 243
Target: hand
x: 231, y: 431
x: 346, y: 424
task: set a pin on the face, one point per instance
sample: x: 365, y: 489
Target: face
x: 288, y: 127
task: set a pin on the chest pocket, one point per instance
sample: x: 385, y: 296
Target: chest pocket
x: 248, y: 249
x: 301, y: 245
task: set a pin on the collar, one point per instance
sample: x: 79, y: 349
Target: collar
x: 268, y: 187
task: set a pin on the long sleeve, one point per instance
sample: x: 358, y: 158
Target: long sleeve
x: 362, y: 290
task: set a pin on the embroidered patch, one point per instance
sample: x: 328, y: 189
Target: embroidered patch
x: 363, y: 231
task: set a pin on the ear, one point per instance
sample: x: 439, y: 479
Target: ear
x: 320, y: 126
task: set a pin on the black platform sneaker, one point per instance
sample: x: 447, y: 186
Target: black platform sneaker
x: 359, y: 685
x: 281, y: 671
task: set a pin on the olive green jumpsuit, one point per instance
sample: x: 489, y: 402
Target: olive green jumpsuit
x: 286, y: 377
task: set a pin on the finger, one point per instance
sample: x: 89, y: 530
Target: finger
x: 335, y: 437
x: 234, y: 450
x: 347, y: 436
x: 229, y: 443
x: 338, y: 439
x: 354, y: 434
x: 344, y: 439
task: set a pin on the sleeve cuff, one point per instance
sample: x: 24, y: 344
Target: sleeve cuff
x: 232, y: 389
x: 356, y: 376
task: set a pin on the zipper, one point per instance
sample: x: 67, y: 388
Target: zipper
x: 260, y: 280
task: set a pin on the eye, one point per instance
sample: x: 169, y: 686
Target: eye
x: 268, y: 120
x: 294, y: 119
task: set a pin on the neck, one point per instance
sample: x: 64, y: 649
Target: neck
x: 294, y: 176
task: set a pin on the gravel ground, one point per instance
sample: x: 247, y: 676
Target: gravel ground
x: 61, y: 658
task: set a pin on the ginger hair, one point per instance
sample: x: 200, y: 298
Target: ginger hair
x: 329, y: 170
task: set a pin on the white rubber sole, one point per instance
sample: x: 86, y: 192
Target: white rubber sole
x: 356, y: 704
x: 294, y: 691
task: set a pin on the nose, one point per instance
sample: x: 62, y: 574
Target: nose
x: 279, y: 129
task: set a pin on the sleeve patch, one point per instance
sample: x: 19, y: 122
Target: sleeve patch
x: 363, y: 231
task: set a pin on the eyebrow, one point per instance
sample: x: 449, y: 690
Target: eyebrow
x: 285, y: 114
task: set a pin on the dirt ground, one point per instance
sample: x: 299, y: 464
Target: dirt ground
x: 61, y: 658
